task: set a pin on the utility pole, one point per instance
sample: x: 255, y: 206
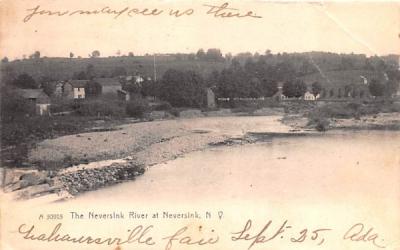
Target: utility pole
x: 154, y: 67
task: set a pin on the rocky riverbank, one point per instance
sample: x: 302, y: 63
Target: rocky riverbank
x: 122, y: 154
x: 28, y: 184
x: 110, y: 157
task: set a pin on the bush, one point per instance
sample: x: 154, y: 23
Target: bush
x: 14, y: 106
x: 61, y: 105
x: 175, y: 112
x: 321, y: 124
x: 137, y: 108
x: 162, y: 106
x: 100, y: 107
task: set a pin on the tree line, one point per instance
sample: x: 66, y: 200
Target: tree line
x: 247, y: 76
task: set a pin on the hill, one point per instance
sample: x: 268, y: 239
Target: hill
x: 342, y: 77
x: 64, y: 68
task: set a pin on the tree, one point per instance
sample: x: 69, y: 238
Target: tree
x: 47, y: 85
x: 213, y: 79
x: 376, y: 88
x: 130, y: 54
x: 316, y: 88
x: 4, y: 60
x: 323, y: 93
x: 182, y: 88
x: 348, y: 89
x: 12, y: 105
x: 284, y: 71
x: 306, y: 68
x: 95, y: 54
x: 214, y: 55
x: 228, y: 57
x: 35, y: 55
x: 255, y: 88
x: 391, y: 88
x: 346, y: 62
x: 381, y: 65
x: 150, y: 88
x: 71, y: 55
x: 80, y: 76
x: 368, y: 65
x: 269, y: 87
x: 200, y: 54
x: 8, y: 75
x: 25, y: 81
x: 295, y: 88
x: 118, y: 71
x: 90, y: 72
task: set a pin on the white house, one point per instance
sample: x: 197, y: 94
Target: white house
x: 308, y: 96
x: 78, y: 88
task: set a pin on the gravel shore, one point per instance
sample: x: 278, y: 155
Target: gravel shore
x: 152, y: 142
x: 110, y: 157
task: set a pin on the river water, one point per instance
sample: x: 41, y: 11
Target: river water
x: 338, y: 166
x: 332, y: 180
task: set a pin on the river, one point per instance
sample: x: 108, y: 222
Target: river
x: 337, y: 166
x: 332, y: 180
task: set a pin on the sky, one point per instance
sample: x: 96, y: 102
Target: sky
x: 359, y: 27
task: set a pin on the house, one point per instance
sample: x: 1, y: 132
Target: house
x: 308, y: 96
x: 71, y: 89
x: 109, y: 85
x: 75, y: 89
x: 279, y: 94
x: 39, y: 100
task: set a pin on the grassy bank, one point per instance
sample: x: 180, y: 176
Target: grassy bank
x: 324, y: 117
x: 23, y: 133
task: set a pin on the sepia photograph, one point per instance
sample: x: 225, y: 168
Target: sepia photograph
x: 134, y: 124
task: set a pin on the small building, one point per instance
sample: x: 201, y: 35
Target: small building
x: 71, y: 89
x: 279, y: 94
x: 75, y: 89
x: 39, y: 100
x: 308, y: 96
x: 210, y: 98
x: 109, y: 85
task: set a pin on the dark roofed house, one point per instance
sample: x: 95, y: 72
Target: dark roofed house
x: 109, y: 85
x: 38, y: 98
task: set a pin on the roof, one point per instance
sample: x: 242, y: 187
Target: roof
x: 107, y: 81
x: 78, y: 83
x: 31, y: 93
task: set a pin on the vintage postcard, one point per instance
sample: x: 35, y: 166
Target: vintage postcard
x: 199, y: 124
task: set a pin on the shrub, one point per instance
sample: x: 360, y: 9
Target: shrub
x: 321, y: 125
x: 137, y: 108
x: 13, y: 106
x: 175, y: 112
x: 61, y: 105
x: 100, y: 107
x: 162, y: 106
